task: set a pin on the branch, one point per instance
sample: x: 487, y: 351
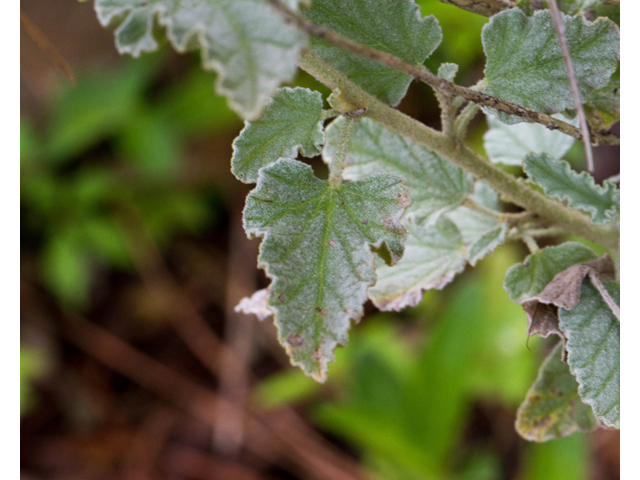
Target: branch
x: 487, y: 8
x: 558, y: 23
x: 421, y: 73
x: 511, y: 188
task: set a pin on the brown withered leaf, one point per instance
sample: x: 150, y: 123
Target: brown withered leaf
x: 563, y: 291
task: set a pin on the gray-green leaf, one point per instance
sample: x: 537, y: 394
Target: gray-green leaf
x: 528, y: 279
x: 245, y: 41
x: 435, y: 184
x: 291, y: 123
x: 553, y: 407
x: 508, y: 144
x: 433, y: 255
x: 593, y: 346
x: 317, y: 246
x: 558, y: 180
x: 395, y: 27
x: 525, y: 65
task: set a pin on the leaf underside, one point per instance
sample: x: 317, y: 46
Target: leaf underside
x: 528, y: 279
x: 593, y: 346
x: 245, y: 41
x: 560, y: 181
x: 525, y: 64
x: 395, y: 27
x: 509, y: 144
x: 317, y: 249
x: 553, y: 407
x: 292, y: 122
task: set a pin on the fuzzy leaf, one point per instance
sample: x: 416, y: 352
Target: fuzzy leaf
x: 448, y: 71
x: 395, y: 27
x: 558, y: 180
x: 317, y: 251
x: 528, y: 279
x: 508, y: 144
x: 291, y: 123
x: 434, y: 184
x: 553, y: 407
x: 525, y: 65
x: 245, y: 41
x: 480, y: 233
x: 593, y: 346
x: 433, y: 255
x: 257, y: 304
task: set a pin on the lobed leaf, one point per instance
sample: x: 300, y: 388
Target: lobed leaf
x: 508, y: 144
x: 525, y: 65
x: 593, y: 346
x: 317, y: 246
x: 245, y: 41
x: 392, y: 26
x: 553, y: 407
x: 579, y: 189
x: 433, y: 255
x: 435, y: 184
x: 292, y: 122
x: 528, y: 279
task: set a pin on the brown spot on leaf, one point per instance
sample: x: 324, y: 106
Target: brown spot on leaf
x: 392, y: 224
x: 282, y: 298
x: 364, y: 222
x: 295, y: 341
x: 331, y: 243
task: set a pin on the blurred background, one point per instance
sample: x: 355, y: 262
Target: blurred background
x: 133, y: 363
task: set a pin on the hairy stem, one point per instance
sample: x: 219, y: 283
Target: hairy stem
x: 511, y: 188
x: 463, y: 120
x: 486, y: 8
x: 421, y: 73
x: 558, y: 23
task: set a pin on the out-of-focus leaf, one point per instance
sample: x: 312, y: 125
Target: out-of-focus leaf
x: 508, y: 144
x: 245, y: 41
x: 525, y: 65
x: 393, y: 27
x: 291, y: 123
x: 563, y: 459
x: 32, y: 366
x: 97, y: 107
x: 434, y: 184
x: 593, y: 345
x: 553, y: 407
x: 434, y: 254
x: 589, y: 8
x: 151, y: 144
x: 560, y: 181
x: 29, y: 142
x: 65, y: 269
x: 317, y: 251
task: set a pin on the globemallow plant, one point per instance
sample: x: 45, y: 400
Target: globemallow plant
x: 405, y: 207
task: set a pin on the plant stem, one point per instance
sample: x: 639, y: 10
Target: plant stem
x: 486, y: 8
x: 336, y: 167
x: 558, y: 23
x: 463, y: 120
x: 511, y: 218
x: 421, y: 73
x: 528, y: 240
x: 511, y: 188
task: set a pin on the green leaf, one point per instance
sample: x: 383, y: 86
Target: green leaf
x: 526, y: 280
x: 525, y: 65
x: 245, y: 41
x: 593, y: 346
x: 433, y: 255
x: 579, y: 189
x: 448, y: 71
x: 487, y: 243
x: 508, y: 144
x: 291, y: 123
x: 394, y: 27
x: 317, y: 251
x: 435, y: 184
x: 553, y: 407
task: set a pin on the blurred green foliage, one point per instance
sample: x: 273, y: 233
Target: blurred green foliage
x: 114, y: 141
x: 32, y: 367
